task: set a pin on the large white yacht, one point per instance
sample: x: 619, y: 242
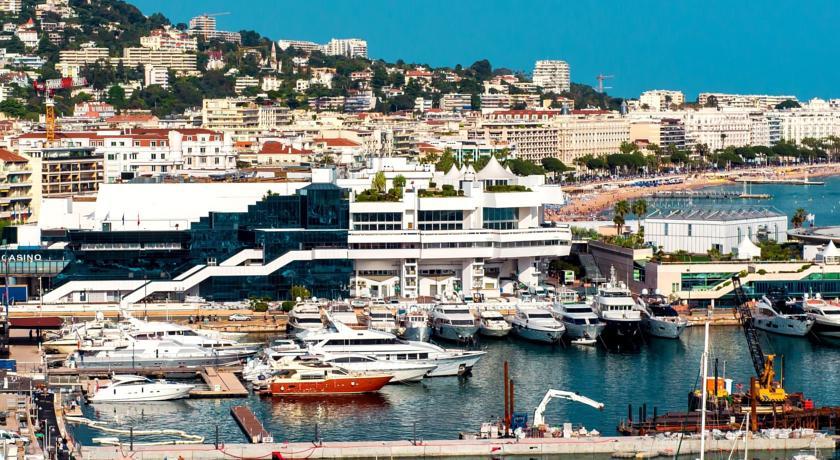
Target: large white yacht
x: 414, y: 325
x: 382, y: 318
x: 580, y: 320
x: 537, y: 324
x: 73, y: 336
x: 491, y: 323
x: 134, y: 388
x: 454, y: 321
x: 157, y: 353
x: 826, y: 318
x: 383, y: 345
x: 305, y: 316
x: 615, y: 305
x: 659, y: 319
x: 775, y: 314
x: 185, y: 335
x: 402, y: 371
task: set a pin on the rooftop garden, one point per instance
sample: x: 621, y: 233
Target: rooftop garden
x: 446, y: 191
x: 504, y: 188
x: 377, y: 191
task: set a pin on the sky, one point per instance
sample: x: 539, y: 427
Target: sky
x: 761, y: 47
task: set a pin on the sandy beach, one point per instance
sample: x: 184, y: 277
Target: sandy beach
x: 586, y: 202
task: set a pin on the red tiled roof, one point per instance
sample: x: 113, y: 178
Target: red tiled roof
x: 275, y: 148
x: 11, y: 157
x: 42, y: 135
x: 337, y: 142
x: 131, y: 118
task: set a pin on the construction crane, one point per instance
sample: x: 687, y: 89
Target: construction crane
x: 767, y: 389
x: 48, y: 89
x: 539, y: 413
x: 212, y: 15
x: 601, y: 78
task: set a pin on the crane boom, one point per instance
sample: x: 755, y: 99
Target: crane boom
x: 539, y: 412
x: 48, y: 89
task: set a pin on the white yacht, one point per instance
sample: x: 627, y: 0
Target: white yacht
x: 537, y: 324
x: 454, y: 321
x: 402, y: 371
x: 134, y: 388
x: 491, y: 323
x: 157, y: 353
x: 305, y: 317
x: 615, y: 305
x: 775, y: 314
x: 582, y: 323
x: 382, y: 345
x: 826, y: 318
x: 73, y: 336
x: 159, y: 330
x: 382, y: 318
x: 344, y: 312
x: 415, y: 325
x: 659, y: 319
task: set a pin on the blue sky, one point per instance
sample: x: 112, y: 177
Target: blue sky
x: 778, y: 47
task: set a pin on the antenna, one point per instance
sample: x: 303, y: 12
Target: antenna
x: 601, y: 78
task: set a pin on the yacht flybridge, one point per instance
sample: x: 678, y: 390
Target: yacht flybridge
x: 659, y: 318
x: 454, y: 321
x: 615, y: 305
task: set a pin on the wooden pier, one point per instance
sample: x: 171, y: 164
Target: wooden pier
x: 252, y: 427
x: 222, y: 384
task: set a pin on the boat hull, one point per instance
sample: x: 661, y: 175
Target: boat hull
x: 455, y: 333
x: 622, y: 334
x: 418, y: 333
x: 455, y: 365
x: 141, y: 394
x: 783, y: 326
x: 538, y: 335
x: 583, y: 331
x: 126, y: 361
x: 494, y: 332
x: 826, y: 329
x: 663, y: 329
x: 348, y: 385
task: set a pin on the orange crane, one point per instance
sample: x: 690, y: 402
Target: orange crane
x: 48, y: 89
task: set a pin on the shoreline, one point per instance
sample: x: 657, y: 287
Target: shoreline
x: 587, y: 203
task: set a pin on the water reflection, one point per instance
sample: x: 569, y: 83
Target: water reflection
x: 307, y: 409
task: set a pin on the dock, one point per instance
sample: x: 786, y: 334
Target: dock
x: 804, y: 181
x: 639, y: 446
x: 222, y: 384
x: 250, y: 425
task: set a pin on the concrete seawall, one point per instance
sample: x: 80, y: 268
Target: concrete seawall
x: 646, y: 446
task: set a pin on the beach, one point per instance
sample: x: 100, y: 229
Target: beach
x: 587, y: 201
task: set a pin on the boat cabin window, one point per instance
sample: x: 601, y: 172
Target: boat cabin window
x: 462, y: 322
x: 312, y: 376
x: 578, y: 310
x: 456, y: 311
x: 830, y: 312
x: 539, y: 315
x: 305, y: 320
x: 346, y: 342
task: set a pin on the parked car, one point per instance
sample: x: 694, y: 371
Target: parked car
x: 239, y: 317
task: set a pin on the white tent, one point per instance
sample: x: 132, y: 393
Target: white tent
x: 748, y: 250
x: 494, y: 171
x: 830, y: 254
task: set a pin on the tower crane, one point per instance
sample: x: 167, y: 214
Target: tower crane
x: 768, y: 389
x: 539, y: 413
x: 601, y: 78
x: 48, y: 89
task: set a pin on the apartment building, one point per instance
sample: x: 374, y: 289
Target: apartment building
x: 11, y: 6
x: 755, y: 101
x: 175, y: 60
x: 68, y: 171
x: 552, y: 76
x: 156, y: 76
x: 83, y: 56
x: 245, y: 81
x: 169, y: 39
x: 582, y: 134
x: 455, y: 102
x: 530, y: 140
x: 17, y: 201
x: 203, y: 150
x: 348, y: 47
x: 205, y: 26
x: 800, y: 124
x: 242, y: 118
x: 717, y: 129
x: 131, y: 155
x: 664, y: 132
x: 661, y: 99
x: 298, y: 45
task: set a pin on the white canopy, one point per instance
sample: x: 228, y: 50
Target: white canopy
x: 830, y: 250
x: 494, y: 171
x: 748, y: 250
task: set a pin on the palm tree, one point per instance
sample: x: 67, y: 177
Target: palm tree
x: 799, y: 218
x: 640, y: 209
x: 621, y: 209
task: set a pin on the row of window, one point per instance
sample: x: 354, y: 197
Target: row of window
x: 366, y: 227
x: 377, y: 217
x: 500, y: 218
x: 441, y: 216
x: 458, y: 244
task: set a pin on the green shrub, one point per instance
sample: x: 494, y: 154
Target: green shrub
x: 287, y: 305
x: 762, y: 271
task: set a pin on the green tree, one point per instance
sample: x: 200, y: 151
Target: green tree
x: 299, y: 292
x: 379, y: 182
x: 399, y: 181
x: 620, y: 211
x: 116, y: 97
x: 447, y: 160
x: 788, y: 104
x: 554, y: 165
x: 640, y: 209
x: 799, y: 218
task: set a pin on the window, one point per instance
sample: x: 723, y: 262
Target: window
x: 666, y: 228
x: 500, y: 218
x: 216, y: 160
x: 154, y: 156
x: 441, y: 220
x: 689, y: 229
x: 377, y: 221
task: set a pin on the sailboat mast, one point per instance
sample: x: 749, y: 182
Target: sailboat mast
x: 705, y: 364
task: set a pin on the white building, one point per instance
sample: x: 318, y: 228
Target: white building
x: 817, y: 124
x: 156, y: 76
x: 455, y: 102
x: 697, y: 230
x: 348, y: 47
x: 659, y: 100
x: 11, y: 6
x: 298, y: 45
x: 552, y: 76
x: 717, y: 129
x: 753, y: 101
x: 245, y: 81
x: 171, y: 39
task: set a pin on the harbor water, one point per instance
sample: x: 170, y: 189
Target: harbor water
x: 661, y: 375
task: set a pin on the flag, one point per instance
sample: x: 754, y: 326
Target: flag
x: 138, y: 219
x: 123, y: 220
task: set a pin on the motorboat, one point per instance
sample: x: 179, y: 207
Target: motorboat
x: 453, y: 321
x: 775, y: 314
x: 314, y: 377
x: 134, y: 388
x: 659, y: 318
x: 536, y: 324
x: 491, y: 323
x: 381, y: 318
x: 185, y: 335
x: 614, y: 303
x: 157, y: 353
x: 581, y: 321
x: 386, y: 346
x: 400, y: 371
x: 75, y: 335
x: 415, y: 325
x: 826, y: 318
x: 305, y: 317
